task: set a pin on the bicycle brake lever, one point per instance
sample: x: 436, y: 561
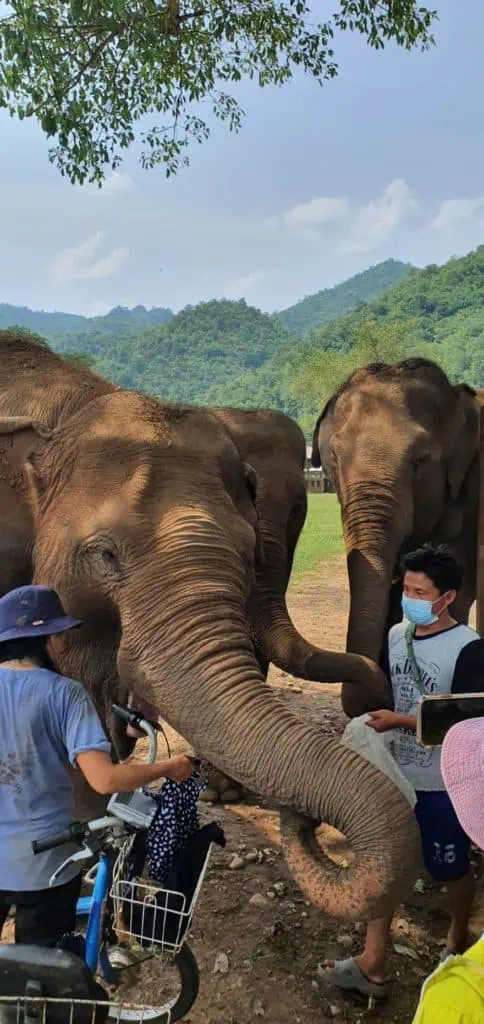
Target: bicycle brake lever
x: 84, y: 854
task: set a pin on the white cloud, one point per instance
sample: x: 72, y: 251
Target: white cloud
x: 79, y: 263
x: 373, y: 223
x: 117, y: 184
x: 453, y: 212
x: 337, y: 224
x: 107, y: 265
x: 322, y: 210
x: 240, y: 287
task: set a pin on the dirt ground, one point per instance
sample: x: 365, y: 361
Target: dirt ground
x: 273, y: 949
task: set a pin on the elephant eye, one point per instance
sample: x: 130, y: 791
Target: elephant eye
x: 102, y: 557
x: 420, y: 460
x: 109, y: 558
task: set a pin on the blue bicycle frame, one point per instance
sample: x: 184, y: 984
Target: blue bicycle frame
x: 92, y: 907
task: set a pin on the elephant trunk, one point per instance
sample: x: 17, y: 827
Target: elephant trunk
x: 277, y: 638
x: 188, y: 649
x: 370, y: 578
x: 375, y: 524
x: 280, y: 642
x: 321, y: 878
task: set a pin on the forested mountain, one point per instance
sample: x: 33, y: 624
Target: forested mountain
x: 51, y: 324
x: 441, y: 310
x: 225, y: 352
x: 333, y: 302
x: 193, y: 357
x: 310, y: 312
x: 437, y: 313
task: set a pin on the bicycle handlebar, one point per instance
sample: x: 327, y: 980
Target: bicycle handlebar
x: 75, y: 833
x: 134, y: 718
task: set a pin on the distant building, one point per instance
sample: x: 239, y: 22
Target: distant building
x: 316, y: 479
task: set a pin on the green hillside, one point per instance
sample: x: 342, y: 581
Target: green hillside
x: 441, y: 308
x: 437, y: 313
x: 217, y: 352
x: 225, y: 352
x: 334, y: 302
x: 193, y: 357
x: 52, y: 324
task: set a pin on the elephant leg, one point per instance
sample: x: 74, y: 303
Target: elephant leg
x: 221, y: 789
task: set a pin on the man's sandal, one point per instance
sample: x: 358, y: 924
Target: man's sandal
x: 347, y: 975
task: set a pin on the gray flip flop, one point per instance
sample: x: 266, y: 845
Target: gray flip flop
x: 347, y: 975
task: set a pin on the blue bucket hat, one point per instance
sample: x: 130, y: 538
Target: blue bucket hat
x: 32, y: 611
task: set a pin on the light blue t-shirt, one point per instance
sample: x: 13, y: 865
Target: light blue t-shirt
x: 45, y: 722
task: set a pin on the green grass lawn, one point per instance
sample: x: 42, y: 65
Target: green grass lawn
x: 321, y: 537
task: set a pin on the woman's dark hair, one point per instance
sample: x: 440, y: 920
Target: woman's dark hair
x: 33, y: 647
x: 439, y: 563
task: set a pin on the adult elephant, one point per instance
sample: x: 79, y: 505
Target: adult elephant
x: 142, y: 519
x: 401, y: 446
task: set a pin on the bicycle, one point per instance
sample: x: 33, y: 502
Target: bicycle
x: 44, y: 985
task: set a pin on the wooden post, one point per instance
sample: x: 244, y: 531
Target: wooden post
x: 480, y: 529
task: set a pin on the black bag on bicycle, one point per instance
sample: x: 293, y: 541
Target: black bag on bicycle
x: 166, y: 920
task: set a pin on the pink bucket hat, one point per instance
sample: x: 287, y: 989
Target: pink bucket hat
x: 462, y: 765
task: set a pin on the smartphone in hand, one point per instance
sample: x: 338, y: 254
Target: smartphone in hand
x: 437, y: 714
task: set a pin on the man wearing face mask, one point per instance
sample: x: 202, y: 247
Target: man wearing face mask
x: 428, y: 653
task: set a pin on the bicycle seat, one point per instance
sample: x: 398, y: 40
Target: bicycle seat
x: 48, y: 973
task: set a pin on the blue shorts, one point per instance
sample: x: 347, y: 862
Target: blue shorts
x: 445, y: 846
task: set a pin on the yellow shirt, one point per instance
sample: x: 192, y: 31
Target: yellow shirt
x: 454, y: 993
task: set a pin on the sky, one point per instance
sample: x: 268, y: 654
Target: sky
x: 386, y: 160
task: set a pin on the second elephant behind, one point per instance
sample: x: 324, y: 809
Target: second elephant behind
x: 401, y: 445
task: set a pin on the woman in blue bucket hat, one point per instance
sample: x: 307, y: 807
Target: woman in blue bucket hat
x: 48, y: 724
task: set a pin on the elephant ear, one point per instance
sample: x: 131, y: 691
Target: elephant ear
x: 321, y: 435
x: 252, y: 484
x: 315, y: 452
x: 464, y: 437
x: 21, y: 438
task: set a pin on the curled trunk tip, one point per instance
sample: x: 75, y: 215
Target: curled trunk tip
x: 359, y: 889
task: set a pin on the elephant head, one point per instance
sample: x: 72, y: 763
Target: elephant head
x: 400, y: 444
x: 145, y: 525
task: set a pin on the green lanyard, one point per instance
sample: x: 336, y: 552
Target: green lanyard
x: 417, y: 678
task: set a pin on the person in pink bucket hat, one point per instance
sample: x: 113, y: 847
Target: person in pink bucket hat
x: 462, y: 766
x: 454, y: 992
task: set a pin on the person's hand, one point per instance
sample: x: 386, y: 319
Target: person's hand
x: 383, y: 721
x: 179, y: 768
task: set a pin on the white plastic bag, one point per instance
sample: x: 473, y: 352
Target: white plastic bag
x: 375, y: 748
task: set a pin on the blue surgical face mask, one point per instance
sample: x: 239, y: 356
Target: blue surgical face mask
x: 418, y: 611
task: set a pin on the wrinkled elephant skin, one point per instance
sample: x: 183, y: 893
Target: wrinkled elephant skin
x: 142, y: 517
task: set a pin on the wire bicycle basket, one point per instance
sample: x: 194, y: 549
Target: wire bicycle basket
x: 152, y: 916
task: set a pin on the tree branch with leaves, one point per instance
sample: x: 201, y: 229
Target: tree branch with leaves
x: 92, y: 72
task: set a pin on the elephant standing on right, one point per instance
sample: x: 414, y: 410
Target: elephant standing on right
x: 400, y: 444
